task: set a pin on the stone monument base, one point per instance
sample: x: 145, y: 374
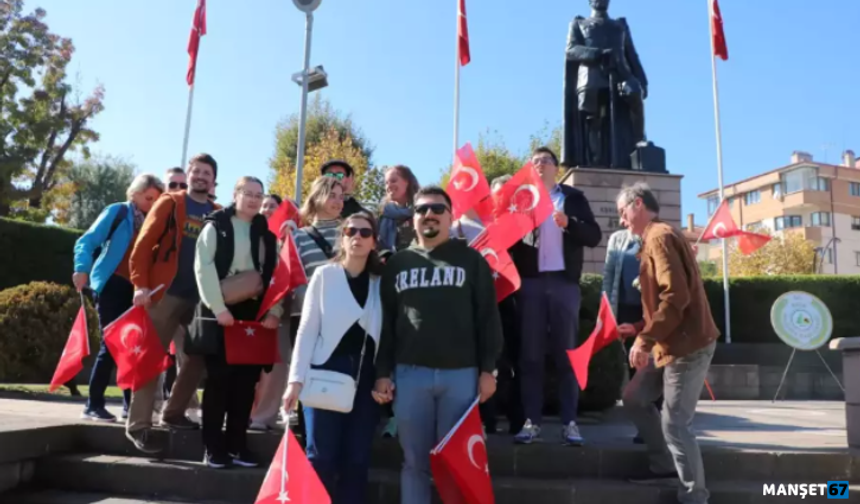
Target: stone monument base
x: 601, y: 187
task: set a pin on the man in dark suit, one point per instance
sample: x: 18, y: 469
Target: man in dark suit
x: 549, y: 261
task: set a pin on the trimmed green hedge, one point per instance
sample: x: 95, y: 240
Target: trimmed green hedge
x: 35, y: 252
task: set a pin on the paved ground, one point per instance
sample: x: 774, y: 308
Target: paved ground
x: 748, y: 425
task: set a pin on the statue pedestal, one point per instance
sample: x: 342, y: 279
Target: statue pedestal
x: 601, y: 187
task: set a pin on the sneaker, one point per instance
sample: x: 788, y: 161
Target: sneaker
x: 143, y: 441
x: 245, y: 459
x: 98, y: 415
x: 181, y: 423
x: 571, y: 436
x: 216, y: 461
x: 653, y: 478
x: 528, y: 434
x: 390, y: 430
x: 257, y: 427
x: 124, y: 414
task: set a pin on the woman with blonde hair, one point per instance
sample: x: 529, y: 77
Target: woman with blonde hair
x: 234, y: 241
x: 339, y: 332
x: 395, y: 221
x: 107, y: 273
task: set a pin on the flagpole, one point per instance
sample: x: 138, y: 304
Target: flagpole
x: 457, y: 86
x: 187, y: 125
x: 725, y: 247
x: 303, y: 114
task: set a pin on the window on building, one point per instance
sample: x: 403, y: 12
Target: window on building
x: 854, y: 188
x: 754, y: 226
x: 855, y: 223
x: 752, y: 197
x: 820, y: 219
x: 801, y: 179
x: 787, y: 222
x: 776, y: 190
x: 857, y: 258
x: 713, y: 203
x: 820, y: 184
x: 827, y: 255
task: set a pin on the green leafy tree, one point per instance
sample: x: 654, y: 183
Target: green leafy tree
x: 787, y: 253
x: 42, y: 118
x: 94, y: 184
x: 329, y: 134
x: 372, y: 189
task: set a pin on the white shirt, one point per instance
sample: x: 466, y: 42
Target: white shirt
x: 551, y: 244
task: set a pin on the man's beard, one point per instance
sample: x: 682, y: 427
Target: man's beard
x: 203, y: 190
x: 430, y: 232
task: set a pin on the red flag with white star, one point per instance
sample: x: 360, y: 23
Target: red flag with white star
x: 605, y: 332
x: 521, y: 205
x: 198, y: 29
x: 460, y: 464
x: 77, y: 347
x: 291, y: 478
x: 505, y: 274
x: 468, y: 184
x: 135, y: 346
x: 718, y: 36
x: 287, y: 213
x: 247, y: 342
x: 289, y: 274
x: 463, y: 35
x: 722, y: 225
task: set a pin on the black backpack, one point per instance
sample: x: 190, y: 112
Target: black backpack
x: 118, y: 218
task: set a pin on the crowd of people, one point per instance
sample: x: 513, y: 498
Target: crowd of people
x: 399, y: 308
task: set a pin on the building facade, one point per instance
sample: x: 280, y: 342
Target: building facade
x: 820, y: 200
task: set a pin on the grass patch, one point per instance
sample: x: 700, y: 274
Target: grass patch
x: 110, y: 393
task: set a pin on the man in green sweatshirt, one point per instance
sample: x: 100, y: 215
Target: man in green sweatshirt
x: 441, y: 336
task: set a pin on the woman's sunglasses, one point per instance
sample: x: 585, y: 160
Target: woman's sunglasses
x: 177, y: 185
x: 436, y: 208
x: 363, y: 232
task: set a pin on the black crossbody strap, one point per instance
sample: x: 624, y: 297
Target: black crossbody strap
x: 321, y: 242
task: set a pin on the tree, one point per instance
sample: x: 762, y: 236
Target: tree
x: 372, y: 188
x: 787, y: 253
x: 42, y: 118
x: 329, y: 135
x: 94, y: 184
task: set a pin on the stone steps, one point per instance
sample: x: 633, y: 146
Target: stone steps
x: 63, y: 497
x: 179, y: 481
x: 545, y: 460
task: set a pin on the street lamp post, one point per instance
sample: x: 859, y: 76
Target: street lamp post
x: 310, y: 81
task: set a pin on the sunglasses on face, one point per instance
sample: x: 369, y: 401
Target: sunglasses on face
x: 436, y: 208
x: 177, y: 185
x: 337, y: 175
x: 363, y: 232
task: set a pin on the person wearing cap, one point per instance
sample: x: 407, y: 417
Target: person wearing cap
x: 343, y: 172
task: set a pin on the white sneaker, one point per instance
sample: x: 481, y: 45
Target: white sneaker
x: 571, y: 435
x: 528, y: 434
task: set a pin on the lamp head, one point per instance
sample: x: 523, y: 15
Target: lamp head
x: 307, y: 6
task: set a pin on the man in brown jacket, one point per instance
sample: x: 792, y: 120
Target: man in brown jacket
x: 674, y: 345
x: 163, y: 258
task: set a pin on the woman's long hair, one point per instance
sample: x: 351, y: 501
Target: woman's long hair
x: 322, y: 188
x: 412, y: 184
x: 374, y: 265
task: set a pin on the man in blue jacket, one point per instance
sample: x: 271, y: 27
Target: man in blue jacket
x: 549, y: 261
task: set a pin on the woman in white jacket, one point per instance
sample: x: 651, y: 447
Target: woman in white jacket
x: 336, y: 342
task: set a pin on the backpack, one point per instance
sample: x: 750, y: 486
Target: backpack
x: 118, y: 218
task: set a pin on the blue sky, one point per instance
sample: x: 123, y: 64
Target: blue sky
x: 790, y: 83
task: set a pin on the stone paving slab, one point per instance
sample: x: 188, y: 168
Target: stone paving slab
x: 747, y: 425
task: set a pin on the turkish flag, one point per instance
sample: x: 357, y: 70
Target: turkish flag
x: 286, y: 213
x: 460, y: 464
x: 604, y: 333
x: 521, y: 205
x: 718, y: 36
x: 77, y: 347
x: 198, y: 29
x: 463, y: 35
x: 468, y: 184
x: 750, y: 242
x: 289, y: 274
x: 247, y: 342
x: 134, y: 345
x: 291, y: 478
x: 485, y: 210
x: 722, y: 225
x: 505, y: 274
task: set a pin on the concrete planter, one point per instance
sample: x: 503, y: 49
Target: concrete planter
x: 850, y: 348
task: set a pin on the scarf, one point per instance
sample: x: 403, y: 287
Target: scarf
x: 138, y: 217
x: 392, y: 216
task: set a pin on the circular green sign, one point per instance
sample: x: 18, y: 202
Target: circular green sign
x: 801, y: 320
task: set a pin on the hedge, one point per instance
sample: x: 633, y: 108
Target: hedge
x: 35, y: 252
x: 35, y: 321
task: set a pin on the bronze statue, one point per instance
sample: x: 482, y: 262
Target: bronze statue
x: 604, y: 89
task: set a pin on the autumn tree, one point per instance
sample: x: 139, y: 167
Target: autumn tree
x: 787, y: 253
x: 93, y: 184
x: 42, y: 117
x: 329, y: 135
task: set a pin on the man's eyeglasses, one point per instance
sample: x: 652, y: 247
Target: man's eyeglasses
x: 177, y: 185
x: 436, y: 208
x: 337, y: 175
x: 363, y: 232
x: 543, y: 160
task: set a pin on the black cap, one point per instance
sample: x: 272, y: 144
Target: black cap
x: 338, y: 162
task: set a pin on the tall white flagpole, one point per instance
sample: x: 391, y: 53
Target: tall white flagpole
x: 725, y: 247
x: 188, y: 122
x: 457, y: 85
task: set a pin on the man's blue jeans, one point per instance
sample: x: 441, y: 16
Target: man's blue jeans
x: 428, y: 403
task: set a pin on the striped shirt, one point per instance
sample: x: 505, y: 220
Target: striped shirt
x: 312, y: 255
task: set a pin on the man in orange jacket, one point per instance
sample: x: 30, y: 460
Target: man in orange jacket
x: 163, y: 259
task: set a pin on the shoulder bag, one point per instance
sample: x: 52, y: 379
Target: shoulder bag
x: 321, y: 242
x: 333, y: 390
